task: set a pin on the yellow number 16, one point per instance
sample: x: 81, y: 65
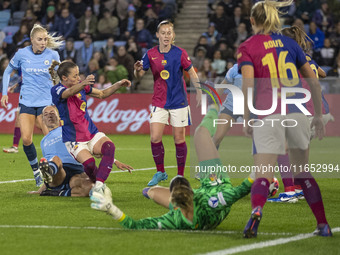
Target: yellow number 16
x: 283, y: 68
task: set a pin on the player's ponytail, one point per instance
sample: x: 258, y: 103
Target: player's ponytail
x: 299, y: 36
x: 63, y: 70
x: 53, y: 42
x: 181, y: 193
x: 266, y: 14
x: 53, y: 72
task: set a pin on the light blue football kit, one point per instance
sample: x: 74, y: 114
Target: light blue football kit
x: 36, y: 80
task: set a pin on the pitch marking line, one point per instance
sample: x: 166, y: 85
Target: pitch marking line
x: 265, y: 244
x: 150, y: 230
x: 114, y: 172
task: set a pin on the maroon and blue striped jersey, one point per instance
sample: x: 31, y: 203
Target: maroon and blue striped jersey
x: 76, y: 122
x: 167, y: 69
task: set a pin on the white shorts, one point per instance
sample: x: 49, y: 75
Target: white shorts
x: 180, y: 117
x: 75, y: 147
x: 271, y: 137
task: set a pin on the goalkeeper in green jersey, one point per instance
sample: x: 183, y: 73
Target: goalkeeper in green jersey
x: 202, y: 208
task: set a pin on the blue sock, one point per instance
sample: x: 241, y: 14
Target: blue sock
x: 31, y: 155
x: 54, y: 167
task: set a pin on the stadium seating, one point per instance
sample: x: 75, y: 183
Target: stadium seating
x: 98, y: 45
x: 17, y: 17
x: 5, y: 17
x: 78, y: 44
x: 10, y: 30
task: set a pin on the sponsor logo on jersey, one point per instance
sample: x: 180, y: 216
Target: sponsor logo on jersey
x: 83, y: 106
x: 154, y: 58
x: 165, y: 75
x: 36, y: 70
x: 213, y: 202
x: 164, y: 62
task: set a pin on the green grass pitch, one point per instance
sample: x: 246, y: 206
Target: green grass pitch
x: 30, y: 224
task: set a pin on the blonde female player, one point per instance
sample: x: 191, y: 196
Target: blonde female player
x: 170, y: 99
x: 35, y: 94
x: 276, y: 59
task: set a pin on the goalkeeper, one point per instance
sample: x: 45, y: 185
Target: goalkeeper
x: 203, y: 208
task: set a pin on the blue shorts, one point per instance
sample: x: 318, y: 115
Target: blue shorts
x: 36, y: 111
x: 230, y: 113
x: 70, y: 170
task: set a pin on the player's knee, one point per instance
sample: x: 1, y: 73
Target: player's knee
x: 151, y: 192
x: 155, y: 139
x: 27, y: 140
x: 108, y: 148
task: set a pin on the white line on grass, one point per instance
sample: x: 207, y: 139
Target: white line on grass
x: 114, y: 172
x: 265, y: 244
x: 211, y: 232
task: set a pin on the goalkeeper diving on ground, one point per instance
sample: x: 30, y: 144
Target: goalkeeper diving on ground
x: 193, y: 209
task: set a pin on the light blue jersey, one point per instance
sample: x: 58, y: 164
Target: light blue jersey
x: 36, y: 80
x: 234, y: 78
x: 52, y: 145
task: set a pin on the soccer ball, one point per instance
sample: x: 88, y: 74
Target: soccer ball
x: 273, y: 187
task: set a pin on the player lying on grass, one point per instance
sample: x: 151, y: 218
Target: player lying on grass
x: 63, y: 175
x: 202, y: 208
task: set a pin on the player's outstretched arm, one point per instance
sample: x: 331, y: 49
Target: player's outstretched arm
x: 122, y: 166
x: 138, y: 69
x: 196, y: 82
x: 315, y: 89
x: 110, y: 90
x: 5, y: 82
x: 77, y: 88
x: 104, y: 203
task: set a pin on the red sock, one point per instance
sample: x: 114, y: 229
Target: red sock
x: 287, y: 176
x: 259, y: 192
x: 312, y: 194
x: 181, y: 156
x: 16, y: 136
x: 90, y: 168
x: 158, y: 155
x: 105, y: 166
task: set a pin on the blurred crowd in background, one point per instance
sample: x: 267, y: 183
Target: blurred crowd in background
x: 105, y: 38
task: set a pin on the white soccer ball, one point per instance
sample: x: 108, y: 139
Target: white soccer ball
x: 273, y: 187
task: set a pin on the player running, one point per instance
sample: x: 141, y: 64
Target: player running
x: 79, y: 133
x: 170, y: 99
x: 35, y: 91
x: 63, y: 175
x: 270, y: 55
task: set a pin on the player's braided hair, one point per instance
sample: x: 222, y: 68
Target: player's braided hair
x: 266, y: 14
x: 63, y: 70
x: 182, y: 194
x: 299, y: 36
x: 53, y: 42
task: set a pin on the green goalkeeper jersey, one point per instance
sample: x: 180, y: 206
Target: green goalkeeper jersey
x: 212, y: 204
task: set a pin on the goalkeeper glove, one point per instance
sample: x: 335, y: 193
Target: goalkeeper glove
x: 104, y: 203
